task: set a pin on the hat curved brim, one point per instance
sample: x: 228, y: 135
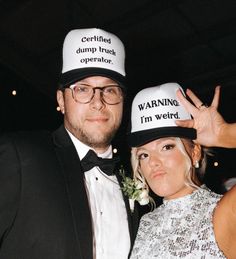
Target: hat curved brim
x: 74, y: 75
x: 140, y: 138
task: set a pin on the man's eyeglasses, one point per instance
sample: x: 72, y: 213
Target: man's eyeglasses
x: 83, y: 93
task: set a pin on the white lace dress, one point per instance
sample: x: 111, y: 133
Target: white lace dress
x: 179, y: 228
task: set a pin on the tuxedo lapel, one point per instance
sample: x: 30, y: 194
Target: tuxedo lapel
x: 126, y: 200
x: 133, y: 217
x: 77, y: 196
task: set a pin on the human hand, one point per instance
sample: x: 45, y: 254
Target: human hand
x: 206, y: 120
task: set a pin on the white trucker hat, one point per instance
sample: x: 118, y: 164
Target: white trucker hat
x: 92, y: 52
x: 153, y: 115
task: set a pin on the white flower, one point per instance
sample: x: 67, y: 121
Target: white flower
x: 140, y: 185
x: 135, y: 189
x: 131, y: 204
x: 144, y: 197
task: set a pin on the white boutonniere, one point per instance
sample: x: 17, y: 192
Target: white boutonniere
x: 135, y: 189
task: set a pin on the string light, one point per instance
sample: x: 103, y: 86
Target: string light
x: 216, y: 163
x: 13, y: 92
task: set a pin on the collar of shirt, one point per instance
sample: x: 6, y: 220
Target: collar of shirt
x: 82, y: 148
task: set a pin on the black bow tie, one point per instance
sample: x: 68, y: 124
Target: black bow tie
x: 107, y: 165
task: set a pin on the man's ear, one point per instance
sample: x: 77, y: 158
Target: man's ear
x: 60, y: 101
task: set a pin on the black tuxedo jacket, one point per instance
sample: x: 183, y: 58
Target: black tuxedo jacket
x: 44, y: 211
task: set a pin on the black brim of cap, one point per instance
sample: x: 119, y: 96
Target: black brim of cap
x: 140, y: 138
x: 75, y: 75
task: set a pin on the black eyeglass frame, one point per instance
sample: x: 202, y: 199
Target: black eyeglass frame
x: 101, y: 88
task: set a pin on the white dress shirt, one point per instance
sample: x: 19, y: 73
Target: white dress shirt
x: 109, y: 216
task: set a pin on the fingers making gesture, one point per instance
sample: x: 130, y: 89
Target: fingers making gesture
x: 212, y: 130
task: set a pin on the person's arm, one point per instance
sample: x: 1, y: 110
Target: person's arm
x: 9, y: 186
x: 212, y: 129
x: 224, y: 222
x: 227, y: 136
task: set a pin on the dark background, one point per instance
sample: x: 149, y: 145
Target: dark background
x: 190, y: 42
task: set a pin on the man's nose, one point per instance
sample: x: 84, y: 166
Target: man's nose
x: 97, y: 99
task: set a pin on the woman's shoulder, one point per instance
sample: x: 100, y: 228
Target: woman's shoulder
x: 224, y: 221
x: 226, y: 206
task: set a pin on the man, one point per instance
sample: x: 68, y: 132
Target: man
x: 51, y: 207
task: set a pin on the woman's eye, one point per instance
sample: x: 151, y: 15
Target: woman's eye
x: 142, y: 156
x: 168, y: 147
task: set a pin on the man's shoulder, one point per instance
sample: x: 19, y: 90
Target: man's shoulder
x: 26, y: 134
x: 26, y: 138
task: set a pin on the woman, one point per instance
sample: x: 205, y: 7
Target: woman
x: 192, y: 222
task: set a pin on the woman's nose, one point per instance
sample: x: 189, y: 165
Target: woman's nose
x: 154, y: 160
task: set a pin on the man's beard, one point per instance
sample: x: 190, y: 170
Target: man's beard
x: 94, y: 140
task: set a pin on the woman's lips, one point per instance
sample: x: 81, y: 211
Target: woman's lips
x: 158, y: 174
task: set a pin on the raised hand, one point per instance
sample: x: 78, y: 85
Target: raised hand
x: 206, y: 120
